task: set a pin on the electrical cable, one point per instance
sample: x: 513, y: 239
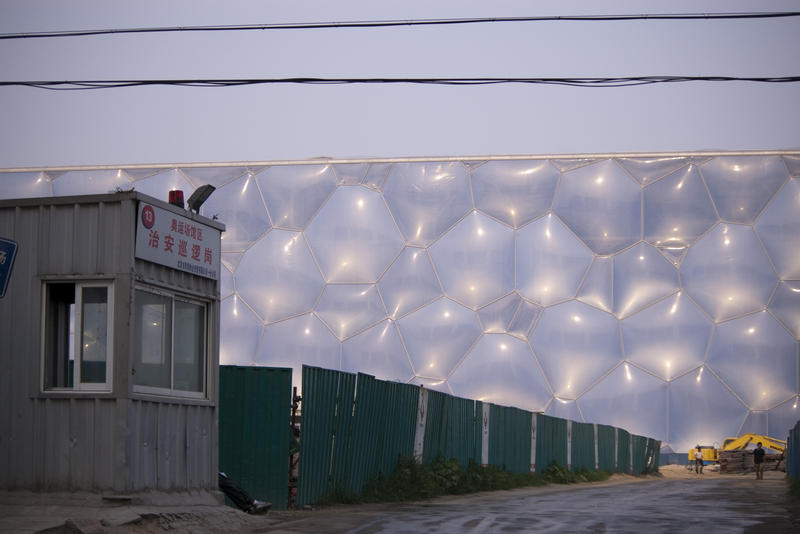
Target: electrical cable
x: 410, y: 22
x: 628, y: 81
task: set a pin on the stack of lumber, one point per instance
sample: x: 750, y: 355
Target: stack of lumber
x: 742, y: 461
x: 735, y: 461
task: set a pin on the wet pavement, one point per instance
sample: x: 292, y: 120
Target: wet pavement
x: 702, y: 504
x: 678, y: 501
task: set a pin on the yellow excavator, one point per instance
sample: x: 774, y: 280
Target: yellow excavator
x: 711, y: 453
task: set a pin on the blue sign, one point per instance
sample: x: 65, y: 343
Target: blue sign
x: 8, y: 251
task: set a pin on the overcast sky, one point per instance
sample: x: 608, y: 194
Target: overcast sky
x: 258, y: 123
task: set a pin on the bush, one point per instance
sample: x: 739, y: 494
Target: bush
x: 414, y: 481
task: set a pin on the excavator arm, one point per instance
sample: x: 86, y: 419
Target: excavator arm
x: 736, y: 444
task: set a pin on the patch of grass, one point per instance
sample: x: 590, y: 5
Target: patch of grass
x: 412, y: 481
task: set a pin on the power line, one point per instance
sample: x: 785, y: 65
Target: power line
x: 411, y: 22
x: 628, y: 81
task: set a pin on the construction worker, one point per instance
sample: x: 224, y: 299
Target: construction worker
x: 758, y: 461
x: 698, y: 459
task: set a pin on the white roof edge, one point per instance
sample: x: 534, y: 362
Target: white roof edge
x: 421, y: 159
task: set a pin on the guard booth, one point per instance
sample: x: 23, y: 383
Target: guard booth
x: 109, y: 344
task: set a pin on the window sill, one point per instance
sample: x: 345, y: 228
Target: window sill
x: 168, y: 399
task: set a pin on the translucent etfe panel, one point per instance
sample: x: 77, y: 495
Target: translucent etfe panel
x: 350, y: 174
x: 24, y: 185
x: 677, y: 210
x: 602, y: 204
x: 742, y: 185
x: 641, y: 276
x: 239, y: 207
x: 727, y: 273
x: 159, y: 185
x: 278, y: 277
x: 347, y: 309
x: 702, y: 411
x: 568, y: 164
x: 475, y: 260
x: 379, y: 352
x: 376, y: 175
x: 785, y: 306
x: 576, y: 344
x: 437, y: 337
x: 497, y: 316
x: 353, y: 237
x: 565, y: 409
x: 668, y: 338
x: 225, y: 281
x: 514, y: 192
x: 409, y: 283
x: 779, y: 230
x: 91, y: 182
x: 596, y: 287
x: 435, y: 384
x: 297, y: 341
x: 216, y: 176
x: 524, y: 320
x: 501, y: 369
x: 551, y: 262
x: 427, y: 198
x: 793, y: 164
x: 239, y: 333
x: 757, y: 358
x: 294, y: 193
x: 782, y: 418
x: 628, y: 398
x: 648, y: 170
x: 756, y: 423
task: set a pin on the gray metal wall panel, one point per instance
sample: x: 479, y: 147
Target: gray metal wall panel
x: 141, y: 445
x: 56, y: 458
x: 81, y: 443
x: 104, y: 449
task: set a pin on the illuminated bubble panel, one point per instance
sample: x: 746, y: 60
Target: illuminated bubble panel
x: 663, y: 346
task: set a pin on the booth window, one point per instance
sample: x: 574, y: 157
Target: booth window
x: 169, y: 344
x: 77, y: 336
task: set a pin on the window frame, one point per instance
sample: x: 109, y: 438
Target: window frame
x: 78, y: 386
x: 171, y: 391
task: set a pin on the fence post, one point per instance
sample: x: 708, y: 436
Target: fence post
x: 485, y: 436
x: 569, y: 445
x: 422, y: 417
x: 533, y: 443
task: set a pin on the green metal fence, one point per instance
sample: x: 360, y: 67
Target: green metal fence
x: 452, y: 429
x: 510, y: 438
x: 623, y: 451
x: 582, y: 446
x: 606, y: 448
x: 355, y: 427
x: 551, y: 442
x: 793, y: 452
x: 254, y: 432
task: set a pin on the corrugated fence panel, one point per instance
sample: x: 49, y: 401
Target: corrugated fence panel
x: 640, y: 452
x: 398, y: 423
x: 477, y: 432
x: 606, y: 447
x: 510, y: 438
x: 320, y: 405
x: 254, y: 418
x: 551, y: 442
x: 582, y: 446
x: 623, y: 451
x: 793, y: 452
x: 343, y: 443
x: 434, y: 427
x: 460, y: 436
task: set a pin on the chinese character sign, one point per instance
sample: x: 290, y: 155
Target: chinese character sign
x: 176, y: 241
